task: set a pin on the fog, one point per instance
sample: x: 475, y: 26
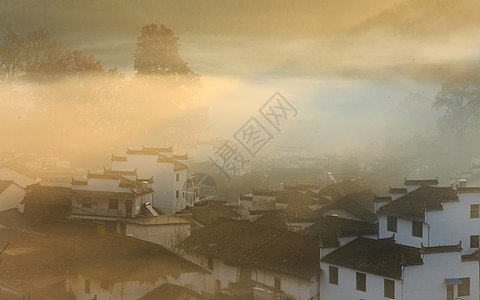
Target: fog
x: 360, y: 74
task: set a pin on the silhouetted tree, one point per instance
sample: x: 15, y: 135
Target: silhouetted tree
x: 157, y: 55
x: 11, y: 55
x: 3, y: 250
x: 460, y: 97
x: 40, y: 49
x: 38, y: 57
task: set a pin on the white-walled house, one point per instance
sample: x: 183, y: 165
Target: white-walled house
x: 109, y: 266
x: 20, y: 175
x: 167, y: 171
x: 246, y: 258
x: 105, y: 198
x: 163, y: 230
x: 407, y: 216
x: 11, y: 195
x: 382, y: 269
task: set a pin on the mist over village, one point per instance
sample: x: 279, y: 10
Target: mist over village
x: 252, y: 150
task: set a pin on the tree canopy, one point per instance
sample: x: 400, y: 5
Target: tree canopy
x: 157, y: 54
x: 460, y: 97
x: 39, y: 57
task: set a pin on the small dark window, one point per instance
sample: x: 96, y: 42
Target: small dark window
x: 113, y: 204
x: 210, y: 263
x: 278, y: 283
x: 177, y: 194
x: 474, y: 211
x: 392, y: 224
x: 87, y: 286
x: 361, y: 282
x: 104, y: 285
x: 177, y: 177
x: 389, y: 288
x: 464, y: 289
x: 86, y: 202
x: 417, y: 229
x: 333, y: 275
x: 474, y: 241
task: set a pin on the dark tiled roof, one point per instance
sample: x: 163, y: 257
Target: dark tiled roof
x: 416, y: 202
x: 380, y: 257
x: 332, y: 227
x: 341, y: 189
x: 358, y: 204
x: 421, y: 181
x: 103, y: 176
x: 301, y: 212
x: 119, y: 173
x: 113, y: 258
x: 119, y: 158
x: 265, y: 247
x: 210, y: 213
x: 4, y: 184
x: 157, y: 149
x: 141, y: 152
x: 442, y: 249
x: 475, y: 256
x: 382, y: 198
x: 61, y: 245
x: 245, y: 197
x: 181, y: 157
x: 397, y: 190
x: 177, y: 166
x: 264, y: 192
x: 79, y: 182
x: 272, y: 220
x: 47, y: 195
x: 294, y: 199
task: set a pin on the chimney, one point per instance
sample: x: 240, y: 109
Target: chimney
x: 462, y: 183
x: 144, y: 186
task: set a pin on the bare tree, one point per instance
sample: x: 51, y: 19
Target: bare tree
x: 460, y: 97
x: 1, y: 252
x: 11, y: 55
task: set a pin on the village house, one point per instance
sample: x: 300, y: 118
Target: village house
x: 52, y: 201
x: 64, y: 259
x: 163, y: 230
x: 248, y: 259
x: 425, y: 213
x: 167, y: 172
x: 356, y: 206
x: 104, y: 198
x: 19, y: 174
x: 382, y: 269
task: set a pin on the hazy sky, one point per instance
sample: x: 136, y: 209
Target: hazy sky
x: 350, y: 67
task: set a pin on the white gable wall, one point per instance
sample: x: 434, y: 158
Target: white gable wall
x: 427, y: 281
x: 404, y: 232
x: 11, y: 197
x: 299, y: 288
x: 453, y: 223
x: 346, y: 288
x: 18, y: 178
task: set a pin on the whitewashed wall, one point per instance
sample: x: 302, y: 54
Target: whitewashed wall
x: 18, y: 178
x: 427, y: 281
x: 346, y: 288
x: 11, y: 197
x: 404, y: 232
